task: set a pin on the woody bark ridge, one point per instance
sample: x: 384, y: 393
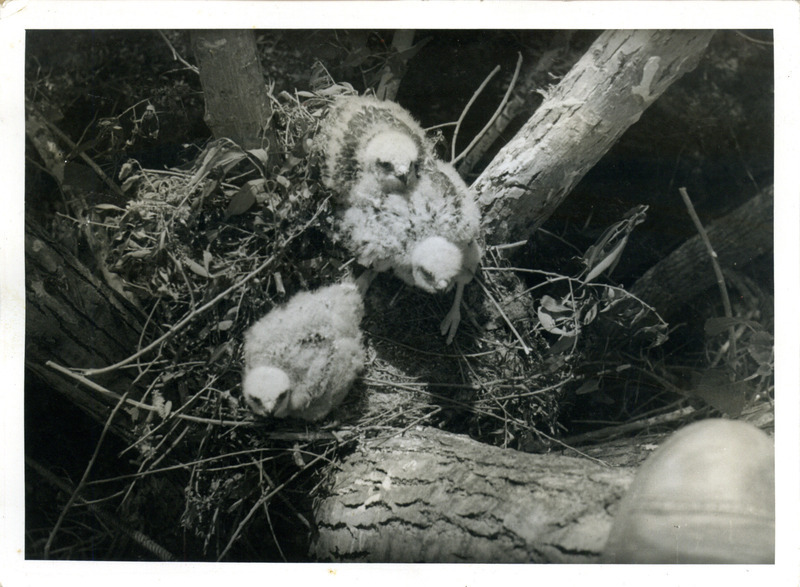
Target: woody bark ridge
x: 581, y: 118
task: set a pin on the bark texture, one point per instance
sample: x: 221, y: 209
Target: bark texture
x: 236, y: 98
x: 737, y: 238
x: 604, y: 94
x: 431, y: 496
x: 75, y: 320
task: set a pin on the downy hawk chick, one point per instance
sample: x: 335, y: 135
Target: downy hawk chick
x: 429, y: 238
x: 373, y: 144
x: 302, y: 358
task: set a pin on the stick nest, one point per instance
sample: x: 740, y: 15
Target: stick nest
x: 205, y: 252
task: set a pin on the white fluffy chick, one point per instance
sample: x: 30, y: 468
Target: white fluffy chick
x: 302, y: 358
x: 373, y: 143
x: 429, y: 238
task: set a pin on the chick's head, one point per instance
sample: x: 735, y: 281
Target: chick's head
x: 435, y: 263
x: 392, y: 158
x: 267, y: 390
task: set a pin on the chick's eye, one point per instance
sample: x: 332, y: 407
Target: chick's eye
x: 385, y: 166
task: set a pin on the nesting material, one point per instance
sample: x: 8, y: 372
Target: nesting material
x: 302, y: 358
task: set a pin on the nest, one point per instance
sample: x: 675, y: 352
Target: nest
x: 207, y: 251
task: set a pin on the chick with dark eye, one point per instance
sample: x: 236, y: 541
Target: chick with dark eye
x: 370, y: 148
x: 429, y: 238
x: 301, y: 359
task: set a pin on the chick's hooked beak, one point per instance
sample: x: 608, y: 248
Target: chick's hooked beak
x: 435, y: 264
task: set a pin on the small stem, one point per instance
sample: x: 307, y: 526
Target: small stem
x: 497, y: 112
x: 142, y: 406
x: 140, y: 538
x: 468, y: 106
x: 645, y: 424
x: 261, y: 501
x: 723, y: 290
x: 89, y: 161
x: 176, y: 56
x: 503, y: 314
x: 75, y: 494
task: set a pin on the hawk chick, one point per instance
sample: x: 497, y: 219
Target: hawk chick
x: 301, y: 358
x: 373, y: 143
x: 429, y: 238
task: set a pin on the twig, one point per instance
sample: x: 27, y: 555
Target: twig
x: 754, y: 40
x: 176, y: 56
x: 413, y: 423
x: 95, y: 167
x: 144, y: 541
x: 82, y: 482
x: 188, y: 283
x: 468, y: 106
x: 207, y: 306
x: 723, y: 290
x: 497, y: 112
x: 262, y: 500
x: 525, y: 347
x: 429, y: 353
x: 644, y: 424
x: 131, y: 402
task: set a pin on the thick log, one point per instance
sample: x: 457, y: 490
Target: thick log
x: 737, y: 238
x: 432, y: 496
x: 75, y: 320
x: 604, y: 94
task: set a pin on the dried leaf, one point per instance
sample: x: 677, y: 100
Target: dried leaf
x: 761, y: 347
x: 546, y: 319
x: 590, y: 315
x: 108, y: 207
x: 196, y: 267
x: 261, y: 154
x: 207, y: 258
x: 128, y: 183
x: 125, y: 170
x: 140, y: 254
x: 716, y: 389
x: 552, y: 305
x: 297, y: 456
x: 588, y: 387
x: 244, y: 198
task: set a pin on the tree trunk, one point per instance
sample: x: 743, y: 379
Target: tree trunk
x: 432, y: 496
x: 604, y: 93
x: 73, y: 318
x: 737, y: 238
x: 236, y: 98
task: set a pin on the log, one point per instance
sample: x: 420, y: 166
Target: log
x: 75, y: 320
x: 603, y: 94
x: 433, y: 496
x: 738, y: 238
